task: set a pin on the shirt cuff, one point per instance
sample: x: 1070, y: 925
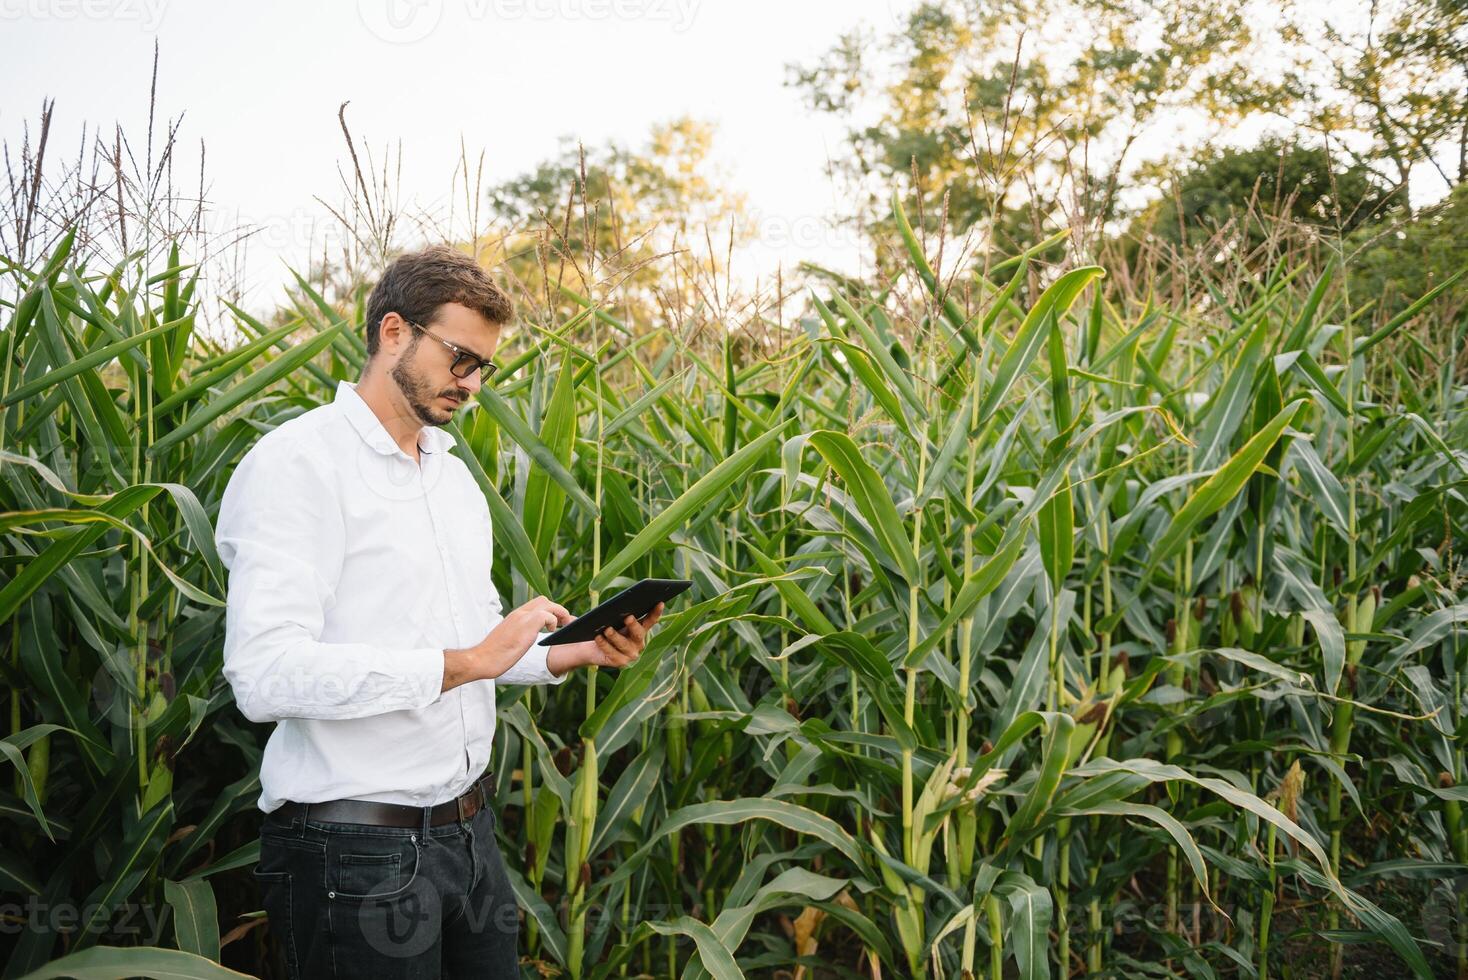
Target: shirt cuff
x: 426, y: 669
x: 531, y: 668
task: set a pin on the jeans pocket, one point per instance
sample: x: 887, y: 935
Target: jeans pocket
x: 372, y: 869
x: 367, y: 875
x: 285, y: 874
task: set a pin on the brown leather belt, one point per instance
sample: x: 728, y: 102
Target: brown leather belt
x: 474, y: 799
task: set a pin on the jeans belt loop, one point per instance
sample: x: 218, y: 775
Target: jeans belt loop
x: 481, y: 793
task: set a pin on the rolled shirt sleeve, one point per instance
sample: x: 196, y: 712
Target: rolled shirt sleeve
x: 531, y: 668
x: 280, y: 534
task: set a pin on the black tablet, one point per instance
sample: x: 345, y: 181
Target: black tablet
x: 635, y: 600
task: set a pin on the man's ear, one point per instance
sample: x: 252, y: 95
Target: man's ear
x: 401, y: 332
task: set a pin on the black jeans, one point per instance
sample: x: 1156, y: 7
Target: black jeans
x: 352, y: 900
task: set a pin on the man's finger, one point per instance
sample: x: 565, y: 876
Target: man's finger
x: 618, y: 641
x: 616, y: 660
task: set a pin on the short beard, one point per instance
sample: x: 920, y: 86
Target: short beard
x: 419, y: 393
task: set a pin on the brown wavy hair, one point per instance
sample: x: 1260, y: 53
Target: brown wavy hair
x: 416, y: 284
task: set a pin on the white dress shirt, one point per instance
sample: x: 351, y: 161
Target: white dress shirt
x: 351, y: 569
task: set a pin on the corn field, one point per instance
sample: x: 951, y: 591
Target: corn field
x: 1041, y: 627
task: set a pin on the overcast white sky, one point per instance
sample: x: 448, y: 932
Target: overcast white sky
x: 260, y: 84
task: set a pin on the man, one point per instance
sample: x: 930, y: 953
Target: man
x: 362, y: 620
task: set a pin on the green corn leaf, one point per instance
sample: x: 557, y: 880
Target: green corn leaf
x: 503, y: 522
x: 709, y: 486
x: 540, y: 912
x: 195, y: 916
x: 1055, y: 525
x: 249, y: 387
x: 872, y: 497
x: 879, y: 353
x: 111, y: 962
x: 859, y: 361
x: 802, y: 820
x: 1174, y: 828
x: 1221, y: 487
x: 541, y: 454
x: 1059, y: 379
x: 133, y: 860
x: 1055, y: 301
x: 1053, y: 761
x: 545, y: 501
x: 1228, y: 407
x: 1403, y: 318
x: 87, y: 362
x: 1031, y: 912
x: 715, y: 956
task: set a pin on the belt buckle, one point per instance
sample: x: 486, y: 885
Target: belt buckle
x: 464, y: 802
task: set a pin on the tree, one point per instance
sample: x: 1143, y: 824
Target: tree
x: 1398, y: 264
x: 1246, y: 188
x: 1387, y: 79
x: 612, y: 235
x: 1024, y: 114
x: 1029, y: 116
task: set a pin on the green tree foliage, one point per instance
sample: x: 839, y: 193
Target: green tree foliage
x: 1397, y: 264
x: 1024, y: 114
x: 1240, y: 194
x: 1388, y: 81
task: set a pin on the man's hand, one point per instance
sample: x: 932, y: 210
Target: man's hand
x: 618, y: 648
x: 505, y: 644
x: 613, y: 648
x: 508, y: 641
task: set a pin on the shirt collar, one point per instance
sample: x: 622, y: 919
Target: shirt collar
x: 431, y: 438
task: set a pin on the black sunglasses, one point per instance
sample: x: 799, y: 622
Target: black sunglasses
x: 465, y: 363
